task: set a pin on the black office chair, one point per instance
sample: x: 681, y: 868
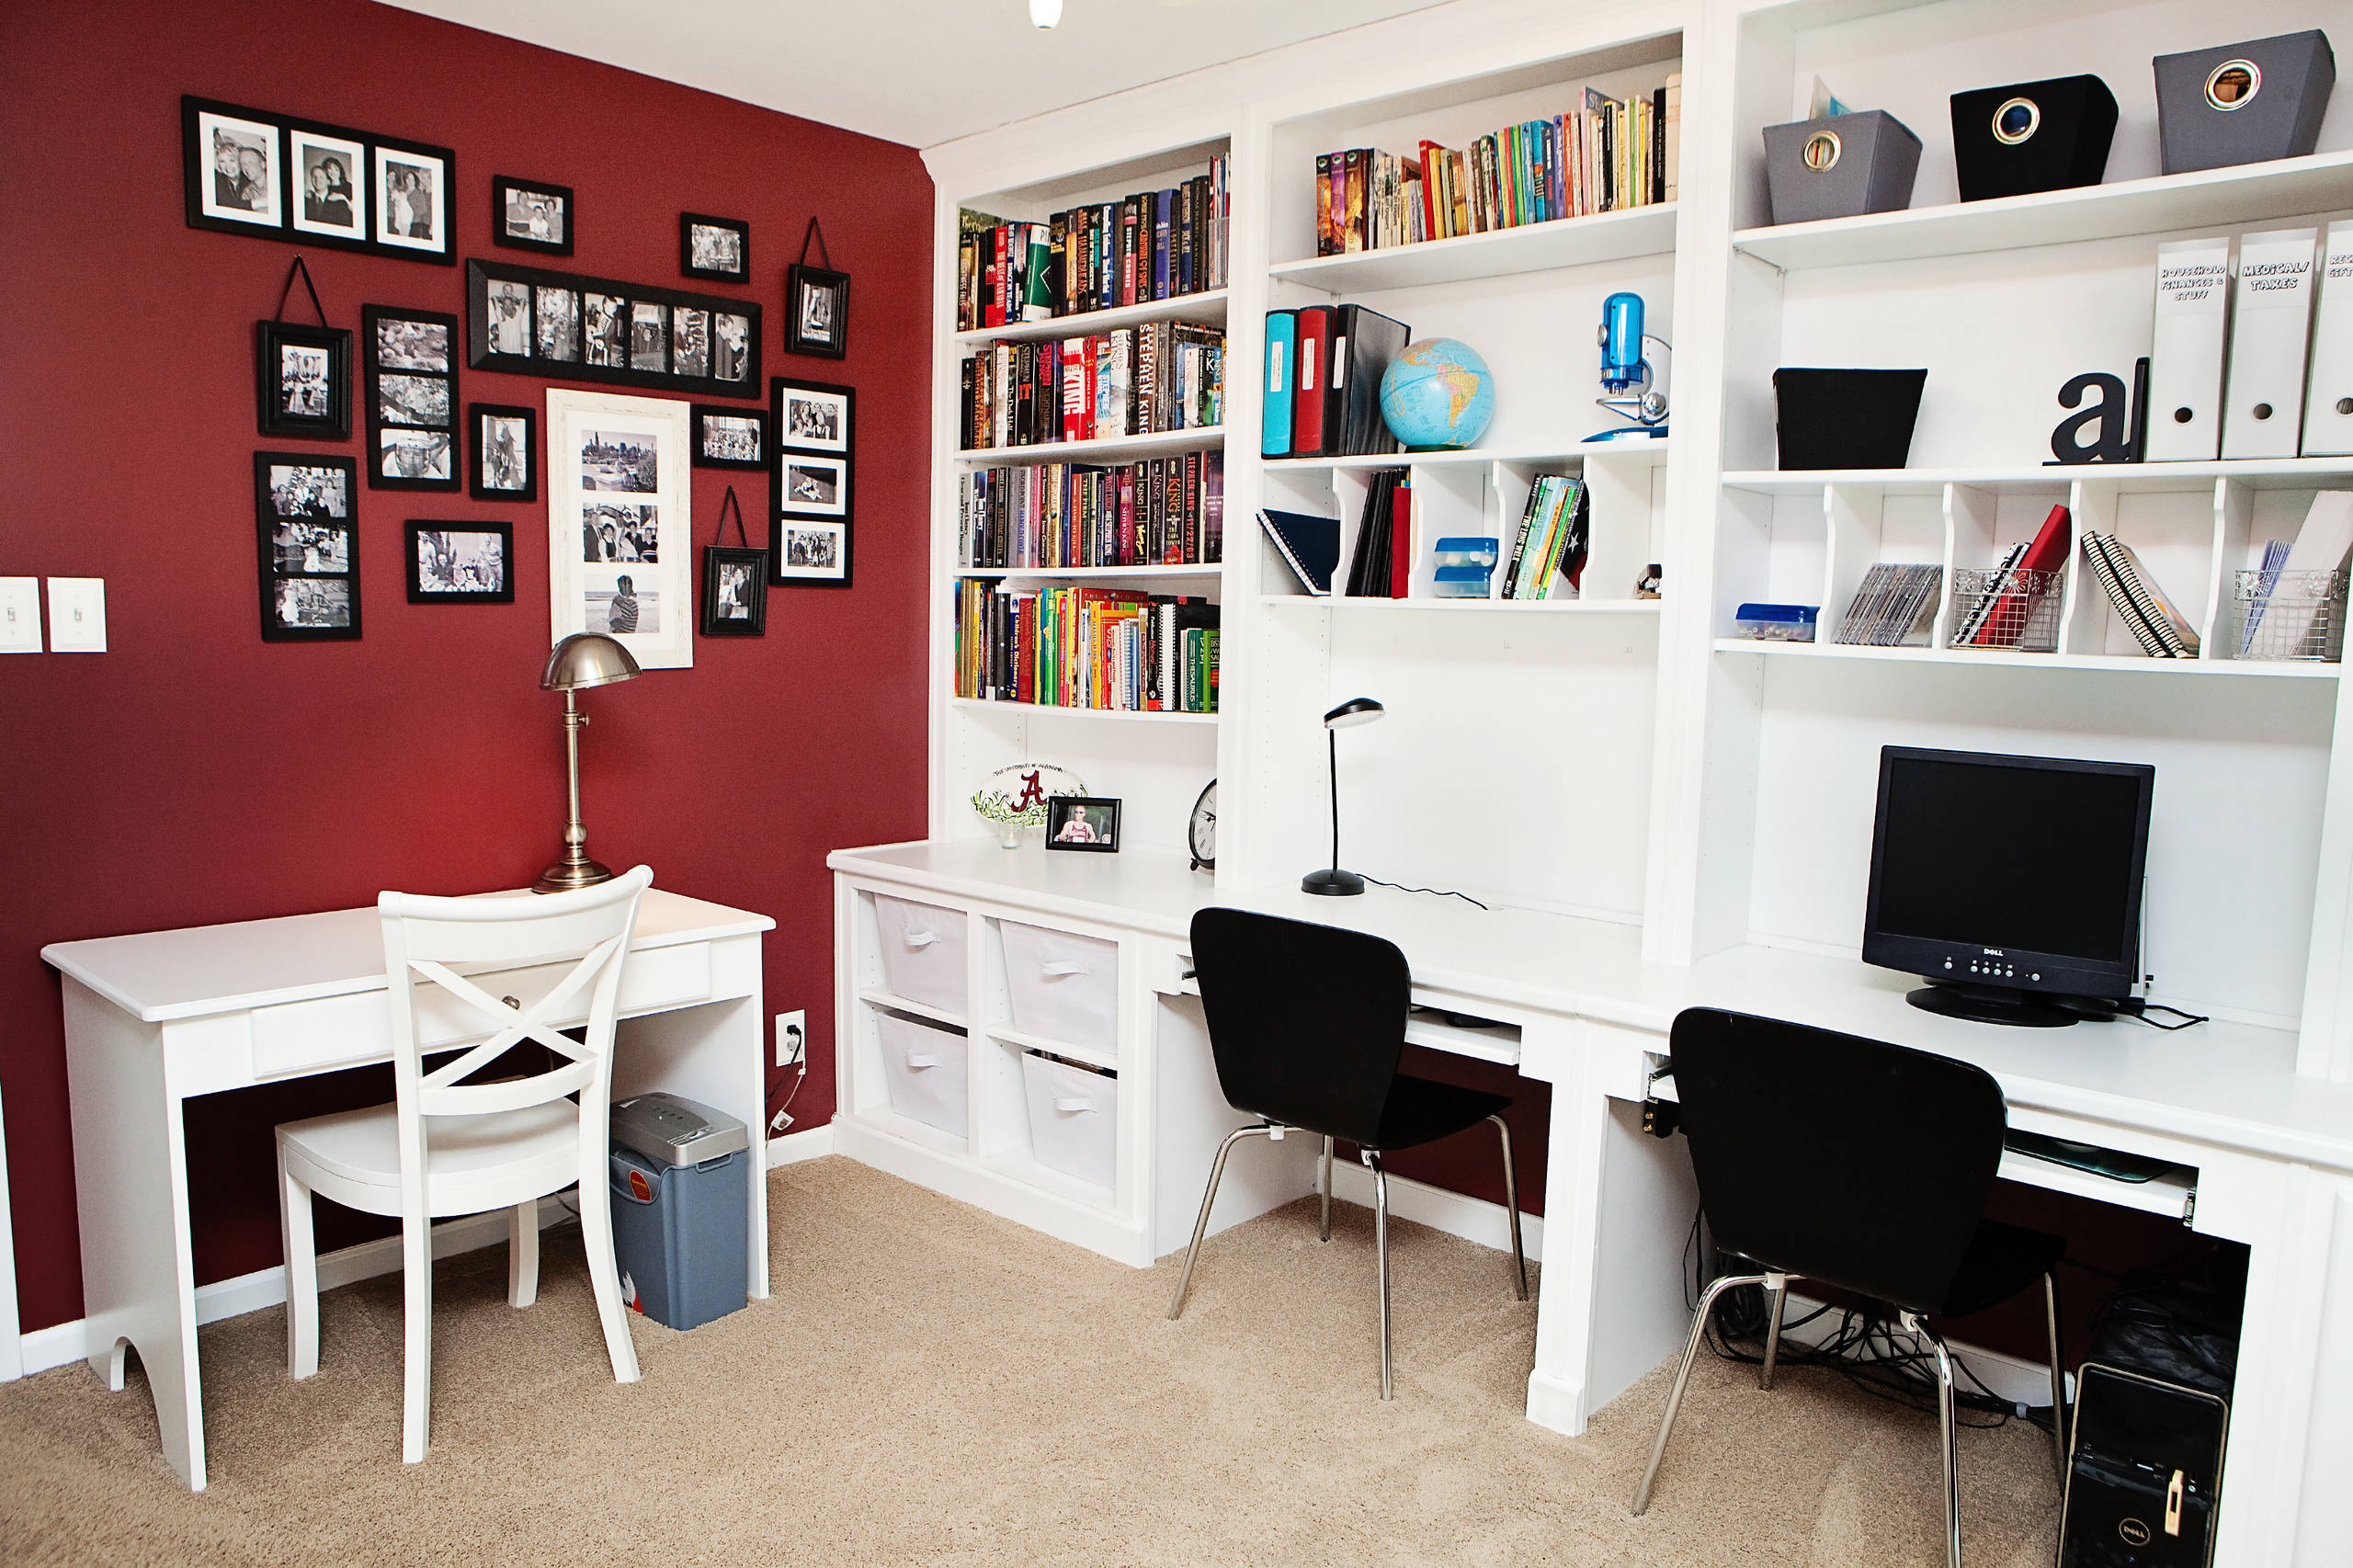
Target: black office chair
x: 1307, y: 1023
x: 1860, y: 1164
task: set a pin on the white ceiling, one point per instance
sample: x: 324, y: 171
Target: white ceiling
x: 919, y: 72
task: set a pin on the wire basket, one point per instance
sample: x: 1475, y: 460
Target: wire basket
x: 2016, y: 610
x: 2290, y: 614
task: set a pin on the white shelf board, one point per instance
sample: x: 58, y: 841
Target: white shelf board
x: 877, y: 996
x: 1532, y: 247
x: 1092, y: 574
x: 1022, y: 1166
x: 1104, y: 449
x: 2206, y: 199
x: 1458, y: 606
x: 2011, y: 659
x: 1649, y: 453
x: 1093, y: 1055
x: 1205, y: 309
x: 2262, y: 473
x: 1120, y: 714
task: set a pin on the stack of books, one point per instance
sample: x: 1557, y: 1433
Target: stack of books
x: 2163, y: 631
x: 1135, y: 381
x: 1383, y: 558
x: 1159, y: 512
x: 1894, y: 607
x: 1547, y: 558
x: 1097, y: 648
x: 1151, y: 246
x: 1611, y: 155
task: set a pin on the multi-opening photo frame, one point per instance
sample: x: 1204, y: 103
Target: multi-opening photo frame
x: 533, y: 322
x: 254, y: 172
x: 411, y: 398
x: 305, y: 516
x: 811, y: 425
x: 619, y: 482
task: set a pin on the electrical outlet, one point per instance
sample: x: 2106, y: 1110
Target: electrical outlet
x: 793, y: 1038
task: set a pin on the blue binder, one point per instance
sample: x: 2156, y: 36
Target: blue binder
x: 1282, y: 348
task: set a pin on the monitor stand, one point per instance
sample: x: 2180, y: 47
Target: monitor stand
x: 1994, y: 1004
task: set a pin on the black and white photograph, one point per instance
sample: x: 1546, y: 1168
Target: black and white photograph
x: 503, y: 467
x: 734, y: 591
x: 620, y: 532
x: 718, y: 249
x: 240, y: 182
x: 814, y: 415
x: 412, y: 200
x: 307, y: 556
x: 808, y: 553
x: 418, y: 401
x: 510, y: 319
x: 731, y: 341
x: 404, y: 343
x: 555, y: 325
x: 813, y: 486
x: 813, y: 549
x: 730, y: 437
x: 330, y: 185
x: 305, y: 381
x: 631, y: 605
x: 1082, y: 821
x: 690, y: 342
x: 531, y: 215
x: 816, y: 311
x: 606, y: 332
x: 418, y: 459
x: 621, y: 461
x: 649, y: 336
x: 460, y: 563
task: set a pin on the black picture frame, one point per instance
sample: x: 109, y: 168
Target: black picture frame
x: 513, y: 213
x: 274, y: 204
x: 749, y: 614
x: 729, y: 438
x: 739, y: 273
x: 816, y: 311
x: 306, y: 517
x: 484, y: 449
x: 1061, y: 809
x: 422, y: 531
x: 399, y: 349
x: 808, y: 536
x: 600, y: 339
x: 275, y: 413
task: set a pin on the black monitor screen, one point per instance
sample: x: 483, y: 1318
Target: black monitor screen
x: 2002, y: 853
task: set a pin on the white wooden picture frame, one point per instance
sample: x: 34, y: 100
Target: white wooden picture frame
x: 617, y: 471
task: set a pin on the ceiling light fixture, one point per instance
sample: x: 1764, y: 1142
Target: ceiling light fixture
x: 1044, y: 14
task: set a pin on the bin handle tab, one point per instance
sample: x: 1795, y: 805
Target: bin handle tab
x: 1072, y: 1104
x: 1061, y: 967
x: 922, y: 1058
x: 922, y: 938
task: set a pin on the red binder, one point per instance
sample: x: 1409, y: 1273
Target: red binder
x: 1400, y: 540
x: 2046, y: 554
x: 1310, y: 432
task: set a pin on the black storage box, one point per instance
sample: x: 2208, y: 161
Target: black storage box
x: 2244, y: 103
x: 2031, y: 136
x: 1841, y: 167
x: 2143, y: 1469
x: 1846, y: 418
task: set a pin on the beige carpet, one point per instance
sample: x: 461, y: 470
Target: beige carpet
x: 931, y: 1385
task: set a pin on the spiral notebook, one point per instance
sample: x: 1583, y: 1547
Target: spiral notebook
x: 1309, y: 545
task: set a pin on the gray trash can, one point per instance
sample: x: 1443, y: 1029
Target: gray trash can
x: 680, y: 1207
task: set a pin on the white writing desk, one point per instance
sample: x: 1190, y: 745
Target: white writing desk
x: 155, y: 1019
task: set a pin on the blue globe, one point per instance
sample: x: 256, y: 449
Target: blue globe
x: 1439, y: 393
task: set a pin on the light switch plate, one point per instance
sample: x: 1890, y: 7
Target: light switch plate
x: 77, y: 615
x: 19, y: 615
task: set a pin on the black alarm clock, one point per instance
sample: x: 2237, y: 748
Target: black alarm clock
x: 1201, y: 832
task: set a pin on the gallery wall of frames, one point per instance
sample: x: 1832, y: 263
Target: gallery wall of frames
x: 325, y: 527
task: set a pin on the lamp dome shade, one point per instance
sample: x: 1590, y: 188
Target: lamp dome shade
x: 1355, y: 711
x: 585, y: 659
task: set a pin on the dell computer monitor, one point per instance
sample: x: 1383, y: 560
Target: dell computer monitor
x: 2011, y: 884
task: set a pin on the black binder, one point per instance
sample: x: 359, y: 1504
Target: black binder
x: 1364, y: 342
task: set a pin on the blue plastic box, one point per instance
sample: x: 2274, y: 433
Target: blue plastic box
x: 680, y: 1232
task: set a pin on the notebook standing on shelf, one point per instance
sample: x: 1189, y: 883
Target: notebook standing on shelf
x: 1309, y: 545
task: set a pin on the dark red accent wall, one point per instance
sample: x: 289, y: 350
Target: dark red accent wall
x: 194, y: 774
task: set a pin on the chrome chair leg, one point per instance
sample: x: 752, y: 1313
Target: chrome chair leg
x: 1216, y: 1172
x: 1777, y: 1286
x: 2058, y: 1378
x: 1945, y: 1408
x: 1324, y: 1230
x: 1682, y: 1374
x: 1381, y: 1246
x: 1511, y: 1203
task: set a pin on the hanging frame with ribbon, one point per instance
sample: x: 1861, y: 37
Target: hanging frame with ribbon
x: 301, y: 373
x: 817, y: 303
x: 734, y: 579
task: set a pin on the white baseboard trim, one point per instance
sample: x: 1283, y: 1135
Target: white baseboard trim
x: 2021, y: 1382
x: 809, y: 1143
x: 1472, y: 1218
x: 66, y: 1342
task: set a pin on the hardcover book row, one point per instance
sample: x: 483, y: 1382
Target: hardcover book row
x: 1151, y: 246
x: 1105, y: 649
x: 1158, y: 511
x: 1143, y: 380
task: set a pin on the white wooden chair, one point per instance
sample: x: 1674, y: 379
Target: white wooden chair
x: 445, y: 1147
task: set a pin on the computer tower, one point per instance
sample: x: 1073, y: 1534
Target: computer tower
x: 2144, y: 1466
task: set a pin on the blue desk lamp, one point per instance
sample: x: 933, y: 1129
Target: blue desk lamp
x: 1332, y: 882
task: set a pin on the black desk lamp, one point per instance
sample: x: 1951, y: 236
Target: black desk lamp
x: 1332, y: 882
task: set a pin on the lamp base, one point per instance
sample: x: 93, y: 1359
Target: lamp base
x: 573, y: 872
x: 1332, y: 883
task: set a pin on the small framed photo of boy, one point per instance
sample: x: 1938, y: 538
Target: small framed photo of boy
x: 734, y: 591
x: 1082, y: 821
x: 816, y: 311
x: 305, y: 380
x: 505, y: 467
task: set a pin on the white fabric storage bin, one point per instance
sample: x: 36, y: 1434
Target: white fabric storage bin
x: 1073, y: 1119
x: 925, y: 1067
x: 1062, y: 986
x: 923, y: 952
